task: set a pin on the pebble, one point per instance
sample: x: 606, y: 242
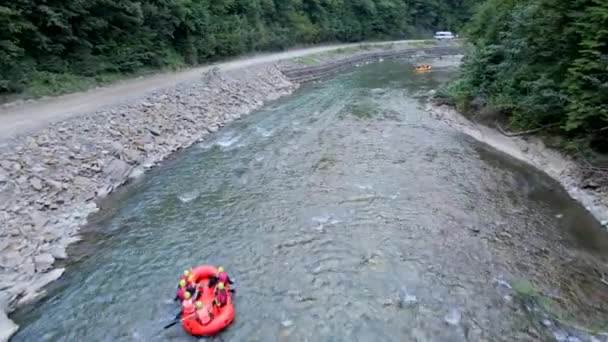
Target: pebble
x: 3, y: 176
x: 7, y: 165
x: 560, y: 336
x: 36, y: 183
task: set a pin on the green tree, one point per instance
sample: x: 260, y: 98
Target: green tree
x: 541, y: 62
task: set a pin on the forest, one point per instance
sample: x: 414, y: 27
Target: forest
x: 54, y: 46
x: 542, y: 64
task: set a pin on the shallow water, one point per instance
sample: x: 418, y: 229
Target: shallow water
x: 344, y: 212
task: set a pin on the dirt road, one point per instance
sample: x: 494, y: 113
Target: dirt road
x: 27, y: 117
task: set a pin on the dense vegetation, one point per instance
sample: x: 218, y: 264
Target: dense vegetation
x: 542, y: 63
x: 52, y: 45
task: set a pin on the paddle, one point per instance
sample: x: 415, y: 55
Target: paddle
x: 177, y: 321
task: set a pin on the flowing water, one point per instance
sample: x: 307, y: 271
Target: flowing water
x: 344, y: 212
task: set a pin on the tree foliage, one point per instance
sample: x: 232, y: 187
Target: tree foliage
x: 44, y: 40
x: 541, y: 62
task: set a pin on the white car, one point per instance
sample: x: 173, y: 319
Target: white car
x: 444, y: 35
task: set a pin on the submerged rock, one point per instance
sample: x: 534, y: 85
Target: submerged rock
x: 406, y: 298
x: 453, y: 317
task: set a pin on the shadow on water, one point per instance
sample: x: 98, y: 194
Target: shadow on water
x: 345, y: 213
x: 571, y: 218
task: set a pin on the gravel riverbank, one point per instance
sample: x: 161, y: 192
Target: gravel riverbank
x: 533, y: 151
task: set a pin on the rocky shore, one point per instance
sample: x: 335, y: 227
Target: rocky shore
x: 49, y: 181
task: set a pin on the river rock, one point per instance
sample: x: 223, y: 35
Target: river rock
x: 7, y: 165
x: 7, y: 327
x: 287, y: 323
x: 81, y: 182
x: 58, y: 252
x: 4, y: 176
x: 54, y: 184
x: 153, y: 131
x: 33, y: 290
x: 43, y: 262
x: 117, y: 170
x: 590, y: 184
x: 560, y: 336
x: 453, y: 317
x: 406, y: 298
x: 36, y: 183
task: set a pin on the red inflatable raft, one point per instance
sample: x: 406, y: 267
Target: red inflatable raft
x: 221, y: 316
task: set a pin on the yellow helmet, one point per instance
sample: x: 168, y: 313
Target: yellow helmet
x: 191, y: 278
x: 220, y: 286
x: 220, y: 269
x: 182, y: 283
x: 186, y: 273
x: 187, y: 295
x: 198, y: 304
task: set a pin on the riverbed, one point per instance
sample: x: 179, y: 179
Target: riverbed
x: 345, y: 213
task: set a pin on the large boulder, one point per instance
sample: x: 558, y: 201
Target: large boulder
x: 117, y: 171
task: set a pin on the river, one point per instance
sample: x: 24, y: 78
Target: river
x: 345, y: 213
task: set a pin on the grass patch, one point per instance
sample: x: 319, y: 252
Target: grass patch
x: 320, y: 57
x: 45, y: 83
x: 529, y: 295
x: 523, y: 289
x: 306, y: 60
x: 423, y: 43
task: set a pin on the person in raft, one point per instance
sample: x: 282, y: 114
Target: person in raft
x: 187, y: 276
x: 187, y: 304
x: 203, y: 315
x: 181, y: 290
x: 187, y: 284
x: 221, y: 295
x: 187, y: 287
x: 221, y: 277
